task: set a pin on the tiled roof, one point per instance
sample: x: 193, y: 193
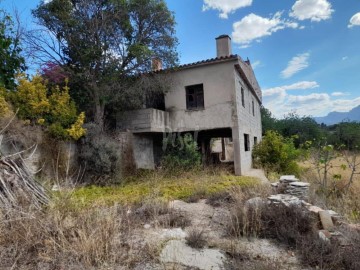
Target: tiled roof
x: 199, y: 63
x: 210, y: 61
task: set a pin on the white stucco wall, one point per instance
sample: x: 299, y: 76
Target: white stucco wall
x: 245, y: 123
x: 219, y: 97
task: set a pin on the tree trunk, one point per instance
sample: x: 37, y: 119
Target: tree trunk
x: 99, y: 115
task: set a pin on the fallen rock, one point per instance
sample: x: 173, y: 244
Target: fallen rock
x: 256, y: 202
x: 314, y: 209
x: 285, y: 199
x: 176, y: 251
x: 288, y: 178
x: 176, y: 233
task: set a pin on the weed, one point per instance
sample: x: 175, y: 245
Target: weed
x: 196, y: 238
x: 219, y: 198
x: 175, y: 219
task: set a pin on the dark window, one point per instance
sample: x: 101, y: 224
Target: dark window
x: 242, y: 97
x: 247, y: 142
x: 195, y: 97
x: 255, y: 140
x: 253, y: 108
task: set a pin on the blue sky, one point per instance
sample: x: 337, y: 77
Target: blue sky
x: 306, y: 53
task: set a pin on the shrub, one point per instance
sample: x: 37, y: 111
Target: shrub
x: 196, y: 238
x: 101, y: 155
x: 276, y: 154
x: 181, y: 153
x: 219, y: 198
x: 4, y: 106
x: 296, y: 227
x: 51, y: 108
x: 285, y: 224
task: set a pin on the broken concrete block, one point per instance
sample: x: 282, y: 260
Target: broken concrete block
x: 314, y: 209
x: 335, y: 216
x: 325, y: 235
x: 326, y: 220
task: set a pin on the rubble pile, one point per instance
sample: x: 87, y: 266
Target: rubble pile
x: 290, y: 185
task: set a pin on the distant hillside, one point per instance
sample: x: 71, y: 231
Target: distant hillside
x: 337, y: 117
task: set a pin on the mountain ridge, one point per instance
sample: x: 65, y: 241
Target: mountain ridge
x: 337, y: 117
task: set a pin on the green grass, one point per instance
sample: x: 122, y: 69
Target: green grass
x: 158, y: 186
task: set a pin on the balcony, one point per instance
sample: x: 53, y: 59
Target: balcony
x: 143, y: 121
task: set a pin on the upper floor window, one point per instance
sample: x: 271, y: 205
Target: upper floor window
x: 253, y: 108
x: 195, y: 97
x: 242, y: 97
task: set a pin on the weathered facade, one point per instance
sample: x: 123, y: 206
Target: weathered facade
x: 215, y: 98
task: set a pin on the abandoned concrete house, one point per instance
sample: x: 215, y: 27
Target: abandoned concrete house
x: 214, y: 98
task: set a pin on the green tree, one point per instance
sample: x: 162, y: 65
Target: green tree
x: 102, y: 43
x: 346, y: 134
x: 276, y: 154
x: 267, y: 120
x: 10, y: 52
x: 303, y: 128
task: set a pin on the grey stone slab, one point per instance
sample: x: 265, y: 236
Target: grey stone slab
x: 326, y: 220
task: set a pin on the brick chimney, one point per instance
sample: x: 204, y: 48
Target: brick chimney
x: 156, y: 64
x: 223, y: 46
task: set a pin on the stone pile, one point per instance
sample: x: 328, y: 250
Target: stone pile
x: 290, y: 185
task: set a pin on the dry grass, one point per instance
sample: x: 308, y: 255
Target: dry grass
x: 196, y: 238
x: 337, y: 198
x: 62, y: 236
x: 294, y: 227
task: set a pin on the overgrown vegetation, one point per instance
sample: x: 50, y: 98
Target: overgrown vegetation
x: 297, y: 229
x: 181, y: 154
x: 166, y: 187
x: 100, y: 154
x: 276, y: 154
x: 104, y: 69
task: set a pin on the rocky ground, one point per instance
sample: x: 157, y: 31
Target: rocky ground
x: 174, y: 253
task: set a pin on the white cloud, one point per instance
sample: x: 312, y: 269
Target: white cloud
x: 345, y: 58
x: 256, y: 64
x: 314, y: 10
x: 345, y: 105
x: 355, y: 20
x: 226, y: 7
x: 295, y: 65
x: 253, y: 27
x: 280, y: 103
x: 303, y: 85
x: 339, y: 94
x: 309, y: 99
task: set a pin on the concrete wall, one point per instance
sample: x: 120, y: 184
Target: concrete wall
x: 143, y: 151
x: 145, y: 120
x: 219, y: 98
x: 245, y: 123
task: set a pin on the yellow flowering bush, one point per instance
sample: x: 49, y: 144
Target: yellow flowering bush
x: 52, y: 108
x: 77, y: 131
x: 31, y: 97
x: 4, y: 107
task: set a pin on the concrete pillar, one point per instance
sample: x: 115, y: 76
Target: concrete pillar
x: 237, y: 152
